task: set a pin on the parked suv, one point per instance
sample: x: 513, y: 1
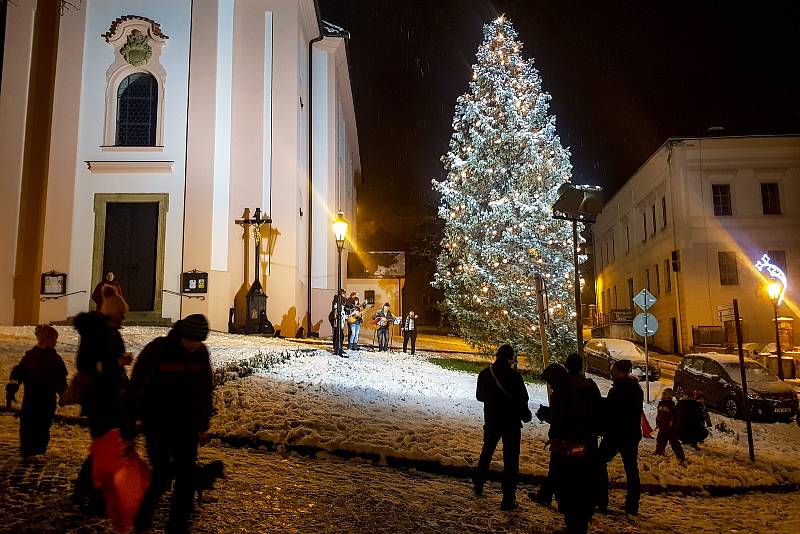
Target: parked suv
x: 719, y: 377
x: 600, y: 353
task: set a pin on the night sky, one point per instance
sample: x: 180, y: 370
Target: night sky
x: 624, y: 76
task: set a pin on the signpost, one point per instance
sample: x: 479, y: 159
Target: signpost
x: 746, y: 401
x: 645, y: 325
x: 725, y: 313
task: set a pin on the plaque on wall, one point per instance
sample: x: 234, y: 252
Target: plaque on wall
x: 54, y: 283
x: 195, y: 282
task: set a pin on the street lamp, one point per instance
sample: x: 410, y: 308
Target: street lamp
x: 340, y: 233
x: 775, y: 290
x: 578, y: 203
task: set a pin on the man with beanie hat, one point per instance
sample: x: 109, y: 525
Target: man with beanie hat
x: 505, y: 404
x: 170, y: 392
x: 623, y: 433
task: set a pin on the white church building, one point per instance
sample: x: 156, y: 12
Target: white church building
x: 136, y: 132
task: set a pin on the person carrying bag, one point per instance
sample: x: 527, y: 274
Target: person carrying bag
x: 505, y: 406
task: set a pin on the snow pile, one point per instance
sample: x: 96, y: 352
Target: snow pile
x: 403, y: 406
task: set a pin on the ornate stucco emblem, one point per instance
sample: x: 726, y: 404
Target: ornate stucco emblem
x: 137, y: 51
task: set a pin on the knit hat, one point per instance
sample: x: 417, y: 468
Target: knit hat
x: 113, y: 304
x: 554, y: 374
x: 45, y: 332
x: 574, y: 363
x: 505, y: 352
x: 194, y: 327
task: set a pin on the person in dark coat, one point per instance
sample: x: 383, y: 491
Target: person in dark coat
x: 667, y: 429
x: 100, y: 289
x: 44, y: 375
x: 623, y: 433
x: 585, y: 388
x: 690, y: 428
x: 171, y: 393
x: 572, y: 415
x: 410, y: 331
x: 505, y: 404
x: 338, y: 328
x: 101, y: 361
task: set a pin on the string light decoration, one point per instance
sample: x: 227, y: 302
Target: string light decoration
x: 504, y: 166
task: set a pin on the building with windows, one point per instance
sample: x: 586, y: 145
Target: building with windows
x: 135, y: 134
x: 690, y: 225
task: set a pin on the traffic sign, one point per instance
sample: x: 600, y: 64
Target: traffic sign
x: 644, y: 299
x: 645, y: 324
x: 725, y: 312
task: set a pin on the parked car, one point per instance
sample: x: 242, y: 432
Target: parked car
x: 719, y: 377
x: 751, y: 350
x: 601, y: 353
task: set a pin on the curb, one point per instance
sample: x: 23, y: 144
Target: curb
x: 436, y: 468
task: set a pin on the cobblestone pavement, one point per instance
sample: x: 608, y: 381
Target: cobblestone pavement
x: 270, y: 492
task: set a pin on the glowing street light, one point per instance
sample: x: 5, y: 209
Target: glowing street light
x: 340, y: 234
x: 340, y: 230
x: 775, y: 292
x: 776, y: 289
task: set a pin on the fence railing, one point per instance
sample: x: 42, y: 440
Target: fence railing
x: 705, y: 336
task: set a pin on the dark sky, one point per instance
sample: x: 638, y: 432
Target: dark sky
x: 624, y: 76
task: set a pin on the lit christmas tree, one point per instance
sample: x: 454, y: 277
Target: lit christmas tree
x: 504, y: 167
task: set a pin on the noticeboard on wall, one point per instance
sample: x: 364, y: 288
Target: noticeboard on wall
x: 194, y: 282
x: 54, y: 283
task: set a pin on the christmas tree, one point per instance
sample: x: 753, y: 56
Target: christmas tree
x: 504, y: 166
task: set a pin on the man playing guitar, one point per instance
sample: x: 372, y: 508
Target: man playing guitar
x: 354, y: 320
x: 383, y: 318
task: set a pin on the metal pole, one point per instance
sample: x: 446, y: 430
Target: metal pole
x: 578, y: 321
x: 542, y: 330
x: 338, y: 325
x: 746, y: 401
x: 778, y: 340
x: 646, y: 353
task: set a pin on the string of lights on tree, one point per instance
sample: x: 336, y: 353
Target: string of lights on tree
x: 504, y: 166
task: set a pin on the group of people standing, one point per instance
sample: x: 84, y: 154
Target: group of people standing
x: 352, y: 316
x: 168, y: 398
x: 578, y: 417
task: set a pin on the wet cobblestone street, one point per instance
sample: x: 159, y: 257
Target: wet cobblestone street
x: 270, y: 492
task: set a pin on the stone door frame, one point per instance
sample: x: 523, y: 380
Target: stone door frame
x: 98, y: 249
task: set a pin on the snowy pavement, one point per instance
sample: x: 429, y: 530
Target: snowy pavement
x: 271, y: 492
x: 398, y: 406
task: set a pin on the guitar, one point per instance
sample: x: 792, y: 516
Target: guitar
x: 356, y: 314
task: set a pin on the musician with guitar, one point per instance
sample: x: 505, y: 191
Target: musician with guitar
x: 383, y: 319
x: 354, y: 320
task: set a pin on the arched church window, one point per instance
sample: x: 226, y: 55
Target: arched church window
x: 137, y: 110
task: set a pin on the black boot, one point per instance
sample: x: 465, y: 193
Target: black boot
x: 477, y: 486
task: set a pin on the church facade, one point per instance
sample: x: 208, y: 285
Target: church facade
x: 136, y: 134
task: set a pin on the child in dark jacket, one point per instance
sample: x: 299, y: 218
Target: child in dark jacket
x: 667, y: 426
x: 44, y: 375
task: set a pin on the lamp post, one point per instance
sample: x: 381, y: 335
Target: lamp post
x: 340, y: 233
x: 774, y: 291
x: 578, y: 203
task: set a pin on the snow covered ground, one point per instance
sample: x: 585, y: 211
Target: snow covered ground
x: 403, y: 406
x: 285, y: 493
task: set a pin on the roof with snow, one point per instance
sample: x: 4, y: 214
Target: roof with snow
x: 377, y: 264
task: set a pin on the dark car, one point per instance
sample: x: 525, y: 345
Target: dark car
x: 601, y: 353
x: 719, y: 377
